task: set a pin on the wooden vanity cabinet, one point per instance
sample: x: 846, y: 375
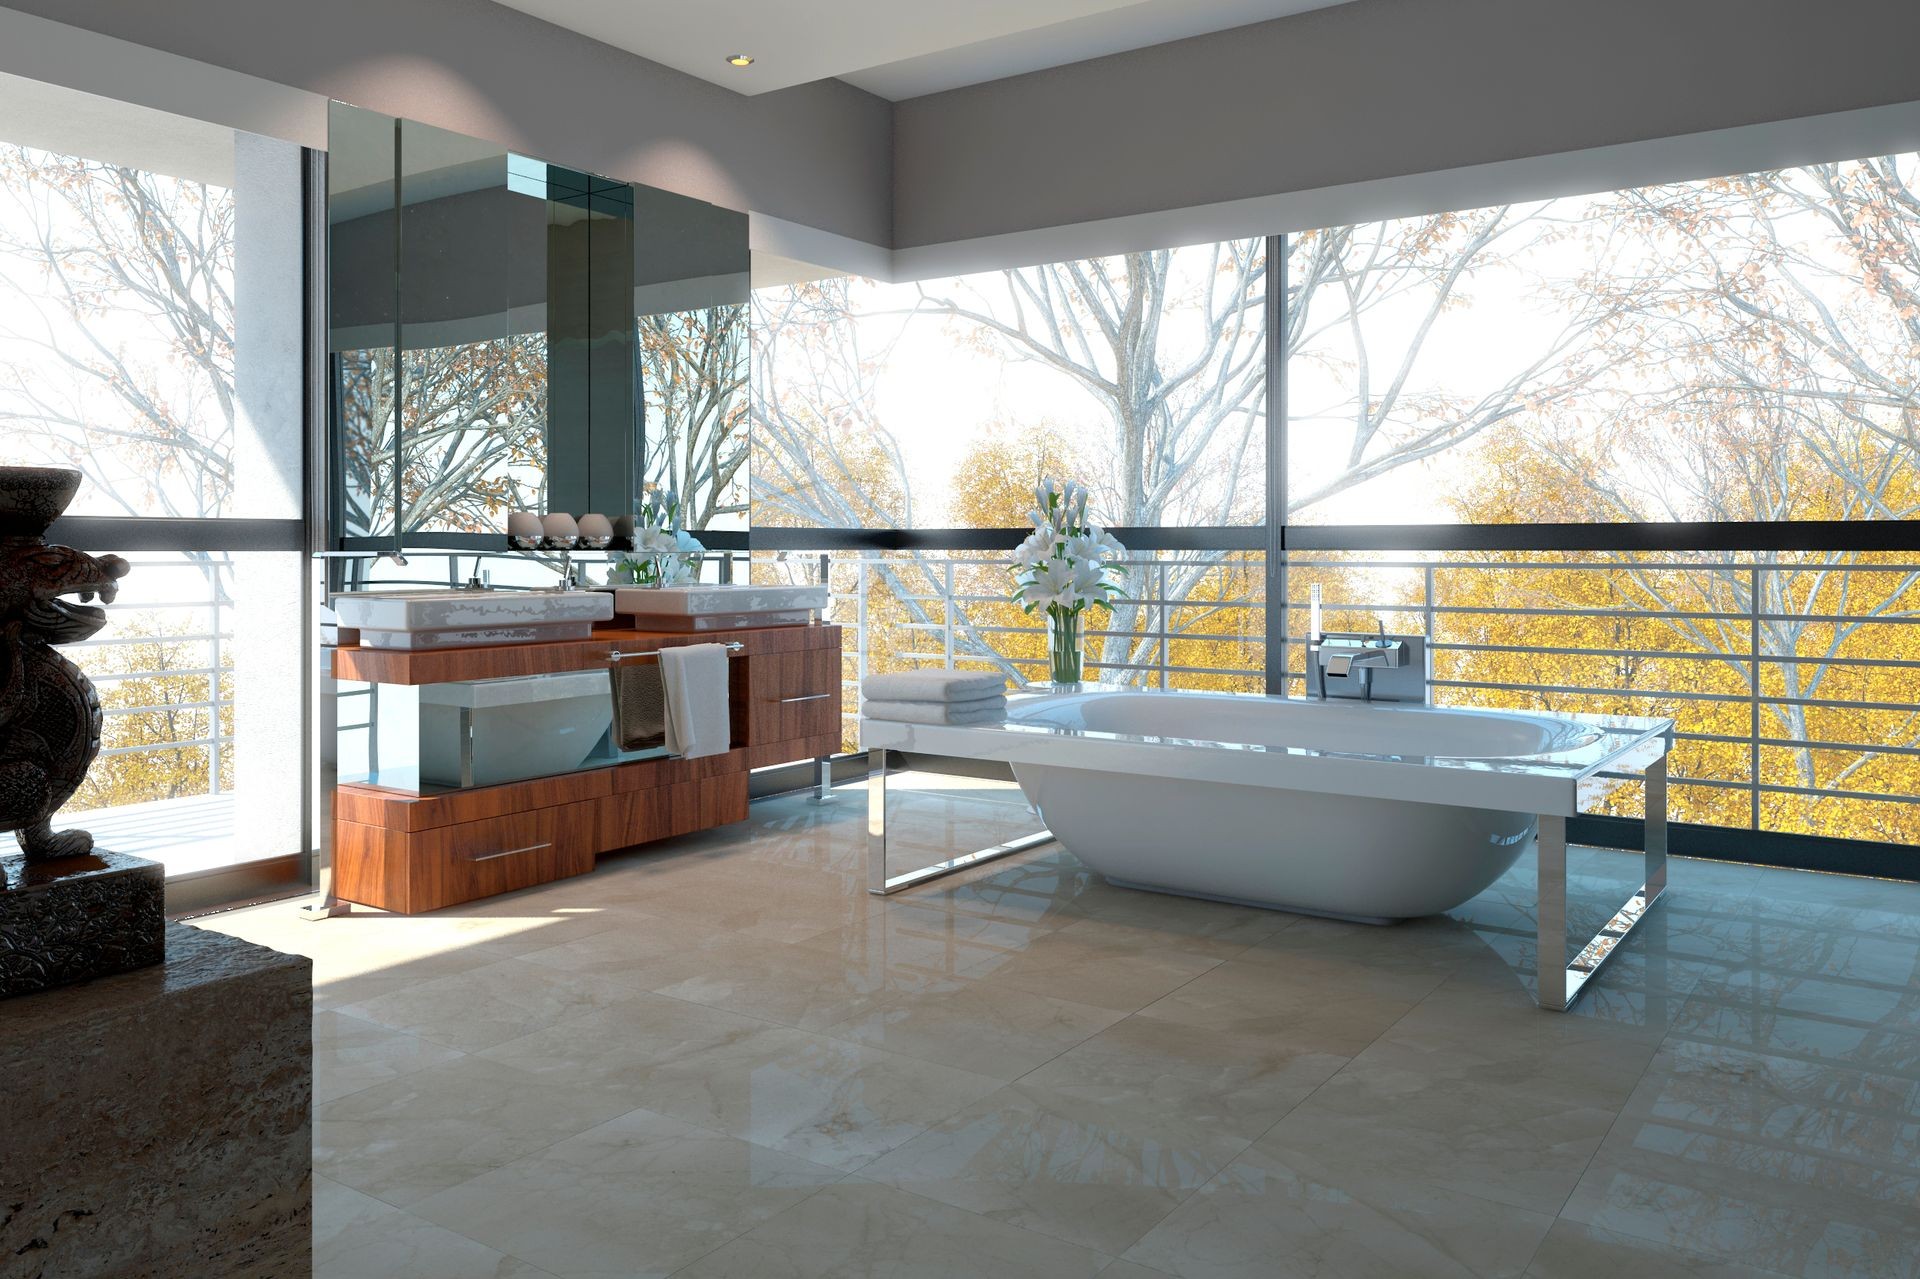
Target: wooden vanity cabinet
x: 412, y: 853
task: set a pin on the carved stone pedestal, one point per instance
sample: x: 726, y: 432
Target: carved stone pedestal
x: 78, y: 917
x: 159, y: 1123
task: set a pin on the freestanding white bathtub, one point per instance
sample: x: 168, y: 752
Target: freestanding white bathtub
x: 1364, y: 811
x: 1363, y: 858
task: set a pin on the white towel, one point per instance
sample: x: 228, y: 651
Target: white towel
x: 933, y: 686
x: 986, y: 710
x: 695, y: 679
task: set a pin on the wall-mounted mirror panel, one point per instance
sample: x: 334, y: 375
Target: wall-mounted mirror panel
x: 509, y: 334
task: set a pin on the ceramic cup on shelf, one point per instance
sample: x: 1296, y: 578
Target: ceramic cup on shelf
x: 523, y: 530
x: 622, y: 532
x: 560, y: 532
x: 596, y: 531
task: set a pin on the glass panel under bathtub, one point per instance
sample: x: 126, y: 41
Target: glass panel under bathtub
x: 435, y: 738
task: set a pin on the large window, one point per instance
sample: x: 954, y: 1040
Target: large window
x: 1698, y: 401
x: 150, y: 337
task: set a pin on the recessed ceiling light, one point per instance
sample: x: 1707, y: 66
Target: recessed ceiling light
x: 740, y: 59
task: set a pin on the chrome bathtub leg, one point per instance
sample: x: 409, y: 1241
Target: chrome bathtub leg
x: 879, y: 883
x: 1561, y: 980
x: 1552, y: 913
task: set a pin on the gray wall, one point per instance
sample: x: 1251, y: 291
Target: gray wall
x: 1376, y: 89
x: 817, y: 154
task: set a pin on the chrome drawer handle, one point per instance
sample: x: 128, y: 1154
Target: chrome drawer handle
x: 810, y: 697
x: 511, y: 852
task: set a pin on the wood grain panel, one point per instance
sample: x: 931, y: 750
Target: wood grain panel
x: 770, y: 753
x: 631, y: 817
x: 397, y: 810
x: 413, y: 872
x: 792, y: 695
x: 544, y: 657
x: 718, y: 801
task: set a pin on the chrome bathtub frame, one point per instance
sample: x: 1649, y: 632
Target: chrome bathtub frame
x: 1551, y: 897
x: 879, y: 883
x: 1551, y: 910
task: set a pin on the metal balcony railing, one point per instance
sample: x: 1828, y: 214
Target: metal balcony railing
x: 934, y: 599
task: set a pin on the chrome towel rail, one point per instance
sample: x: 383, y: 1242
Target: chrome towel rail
x: 617, y: 656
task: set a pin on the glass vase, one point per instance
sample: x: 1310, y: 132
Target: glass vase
x: 1066, y: 657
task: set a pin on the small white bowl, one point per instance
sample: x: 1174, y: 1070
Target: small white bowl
x: 523, y: 530
x: 595, y: 532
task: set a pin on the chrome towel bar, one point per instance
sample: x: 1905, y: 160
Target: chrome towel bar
x: 617, y: 656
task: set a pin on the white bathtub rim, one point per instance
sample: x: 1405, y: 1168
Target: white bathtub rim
x: 1541, y: 784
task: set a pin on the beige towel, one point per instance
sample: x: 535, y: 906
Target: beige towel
x: 639, y: 707
x: 694, y: 677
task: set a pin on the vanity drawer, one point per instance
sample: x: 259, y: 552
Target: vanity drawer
x: 416, y: 871
x: 793, y: 695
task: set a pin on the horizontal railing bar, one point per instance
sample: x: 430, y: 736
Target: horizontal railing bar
x: 184, y: 744
x: 1681, y: 694
x: 162, y: 707
x: 102, y: 677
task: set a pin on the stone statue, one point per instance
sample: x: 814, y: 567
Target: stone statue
x: 49, y: 711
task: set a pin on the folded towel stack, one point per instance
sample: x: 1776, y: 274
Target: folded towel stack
x: 936, y: 697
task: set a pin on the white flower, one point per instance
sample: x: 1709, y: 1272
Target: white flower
x: 1037, y: 549
x: 1051, y: 583
x: 654, y: 541
x: 1090, y: 584
x: 1110, y: 549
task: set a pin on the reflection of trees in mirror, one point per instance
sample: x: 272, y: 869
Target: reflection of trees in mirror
x: 693, y: 380
x: 473, y: 442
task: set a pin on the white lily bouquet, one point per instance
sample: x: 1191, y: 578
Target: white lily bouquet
x: 663, y: 552
x: 1067, y: 565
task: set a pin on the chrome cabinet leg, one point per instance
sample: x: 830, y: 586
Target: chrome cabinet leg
x: 881, y: 884
x: 1561, y: 980
x: 823, y: 779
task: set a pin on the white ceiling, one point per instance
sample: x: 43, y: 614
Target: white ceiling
x: 897, y: 50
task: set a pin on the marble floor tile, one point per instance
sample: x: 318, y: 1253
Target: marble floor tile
x: 1801, y: 1167
x: 1502, y: 1039
x: 1686, y: 1202
x: 1331, y: 1016
x: 615, y: 1050
x: 1572, y: 1251
x: 490, y: 1005
x: 827, y: 1100
x: 1268, y: 1218
x: 639, y: 1196
x: 626, y: 940
x: 922, y: 939
x: 997, y: 1031
x: 1492, y: 1142
x: 794, y: 985
x: 414, y: 1136
x: 1743, y: 1021
x: 1232, y: 1084
x: 350, y: 1054
x: 1092, y: 1172
x: 357, y: 1237
x: 1104, y: 965
x: 1132, y: 1270
x: 857, y: 1229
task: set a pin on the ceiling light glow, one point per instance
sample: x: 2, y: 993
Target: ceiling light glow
x: 740, y: 59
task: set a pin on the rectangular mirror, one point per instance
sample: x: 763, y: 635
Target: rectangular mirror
x: 509, y: 334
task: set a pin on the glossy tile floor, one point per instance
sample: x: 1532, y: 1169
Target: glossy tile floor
x: 722, y: 1058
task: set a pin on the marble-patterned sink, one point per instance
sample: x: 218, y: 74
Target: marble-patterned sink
x: 706, y: 607
x: 456, y: 618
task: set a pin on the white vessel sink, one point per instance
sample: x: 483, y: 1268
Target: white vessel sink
x: 455, y: 618
x: 702, y: 607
